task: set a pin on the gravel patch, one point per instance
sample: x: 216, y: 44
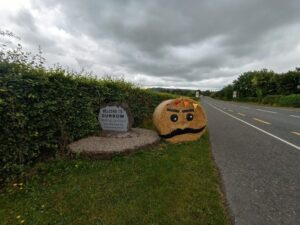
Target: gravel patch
x: 113, y: 143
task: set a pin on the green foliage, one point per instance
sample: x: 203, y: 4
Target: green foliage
x: 244, y: 85
x: 206, y: 93
x: 181, y: 92
x: 263, y: 86
x: 271, y: 99
x: 281, y: 100
x: 264, y: 82
x: 287, y: 83
x: 44, y: 110
x: 290, y: 100
x: 225, y: 93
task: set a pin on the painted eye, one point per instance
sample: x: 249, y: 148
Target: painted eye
x: 174, y: 118
x: 189, y: 117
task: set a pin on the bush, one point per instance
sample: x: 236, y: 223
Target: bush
x: 282, y: 100
x: 290, y: 100
x: 271, y: 99
x: 44, y: 110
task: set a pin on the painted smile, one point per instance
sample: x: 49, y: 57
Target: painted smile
x: 182, y: 131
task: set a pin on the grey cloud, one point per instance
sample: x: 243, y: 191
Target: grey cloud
x: 152, y: 24
x: 29, y: 31
x: 180, y: 42
x: 25, y: 20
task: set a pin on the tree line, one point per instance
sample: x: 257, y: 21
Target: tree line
x: 175, y: 91
x: 256, y: 85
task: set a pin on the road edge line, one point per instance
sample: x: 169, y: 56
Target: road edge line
x: 257, y: 128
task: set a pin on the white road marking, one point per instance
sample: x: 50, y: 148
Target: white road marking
x: 230, y: 110
x: 262, y: 121
x: 257, y: 128
x: 295, y: 116
x: 262, y: 110
x: 294, y: 132
x: 242, y: 114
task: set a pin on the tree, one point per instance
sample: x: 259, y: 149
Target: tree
x: 14, y: 58
x: 264, y: 82
x: 225, y: 92
x: 206, y: 93
x: 244, y: 85
x: 287, y: 83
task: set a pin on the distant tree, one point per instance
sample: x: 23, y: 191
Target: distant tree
x: 182, y: 92
x: 225, y: 92
x: 244, y: 85
x: 287, y: 83
x: 206, y: 93
x: 264, y: 82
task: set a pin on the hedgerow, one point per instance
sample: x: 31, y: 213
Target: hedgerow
x: 44, y: 110
x: 290, y: 100
x: 271, y: 99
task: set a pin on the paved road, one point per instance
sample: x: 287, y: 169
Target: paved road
x: 257, y: 150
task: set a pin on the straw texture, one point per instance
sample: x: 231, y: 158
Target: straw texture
x: 179, y: 120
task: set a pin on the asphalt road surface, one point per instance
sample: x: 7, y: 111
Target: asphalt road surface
x: 257, y: 151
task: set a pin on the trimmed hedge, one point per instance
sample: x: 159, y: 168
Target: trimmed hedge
x: 43, y: 111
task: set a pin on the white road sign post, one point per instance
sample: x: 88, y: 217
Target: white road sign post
x: 234, y: 94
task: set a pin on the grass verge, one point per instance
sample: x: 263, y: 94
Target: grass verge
x: 167, y: 184
x: 292, y: 101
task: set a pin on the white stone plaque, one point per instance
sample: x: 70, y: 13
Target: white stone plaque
x: 114, y: 118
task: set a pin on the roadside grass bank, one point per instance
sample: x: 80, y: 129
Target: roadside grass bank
x: 271, y: 100
x: 164, y: 184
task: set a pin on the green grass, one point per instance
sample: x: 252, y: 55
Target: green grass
x: 165, y: 184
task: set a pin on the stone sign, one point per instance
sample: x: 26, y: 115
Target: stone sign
x: 115, y: 117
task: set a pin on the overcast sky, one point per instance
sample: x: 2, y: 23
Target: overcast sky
x: 196, y: 44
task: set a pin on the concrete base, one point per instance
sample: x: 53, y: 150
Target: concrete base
x: 111, y: 143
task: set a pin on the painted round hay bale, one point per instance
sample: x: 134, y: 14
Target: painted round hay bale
x: 178, y: 120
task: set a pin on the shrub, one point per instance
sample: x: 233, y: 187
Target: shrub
x: 271, y: 99
x: 44, y: 110
x: 290, y: 100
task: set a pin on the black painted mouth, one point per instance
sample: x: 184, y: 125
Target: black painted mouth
x: 182, y: 131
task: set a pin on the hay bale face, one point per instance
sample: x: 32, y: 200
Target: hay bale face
x: 179, y: 120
